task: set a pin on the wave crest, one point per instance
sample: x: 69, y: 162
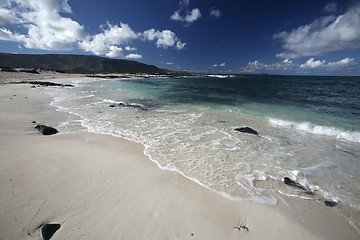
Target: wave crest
x: 352, y: 136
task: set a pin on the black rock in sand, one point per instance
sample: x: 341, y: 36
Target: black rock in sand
x: 330, y: 203
x: 46, y: 130
x: 48, y: 230
x: 133, y: 105
x: 247, y: 130
x: 292, y: 183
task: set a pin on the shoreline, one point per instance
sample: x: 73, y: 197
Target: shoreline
x: 106, y: 187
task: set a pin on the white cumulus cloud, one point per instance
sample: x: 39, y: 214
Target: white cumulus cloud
x: 133, y: 56
x: 106, y: 43
x: 219, y: 65
x: 128, y: 48
x: 343, y: 63
x: 257, y: 66
x: 114, y: 52
x: 41, y: 24
x: 7, y: 16
x: 324, y: 35
x: 346, y: 62
x: 309, y: 66
x: 164, y: 39
x: 7, y: 35
x: 180, y: 45
x: 193, y: 16
x: 46, y: 28
x: 189, y: 16
x: 311, y: 63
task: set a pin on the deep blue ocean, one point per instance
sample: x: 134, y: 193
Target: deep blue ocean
x: 309, y: 130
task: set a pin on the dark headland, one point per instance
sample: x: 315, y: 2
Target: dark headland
x: 68, y: 63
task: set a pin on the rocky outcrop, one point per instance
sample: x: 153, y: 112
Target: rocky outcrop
x: 45, y: 84
x: 46, y: 130
x: 132, y: 105
x: 246, y: 130
x: 292, y: 183
x: 330, y: 203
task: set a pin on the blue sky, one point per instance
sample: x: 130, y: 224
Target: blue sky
x: 228, y: 36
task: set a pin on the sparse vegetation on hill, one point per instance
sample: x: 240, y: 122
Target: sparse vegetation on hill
x: 68, y: 63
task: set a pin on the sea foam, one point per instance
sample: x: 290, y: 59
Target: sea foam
x: 352, y: 136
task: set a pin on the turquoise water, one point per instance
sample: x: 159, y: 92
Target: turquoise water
x: 309, y: 130
x: 323, y: 101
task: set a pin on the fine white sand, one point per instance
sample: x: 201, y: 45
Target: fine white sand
x: 104, y: 187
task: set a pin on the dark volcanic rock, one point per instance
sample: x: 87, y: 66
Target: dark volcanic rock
x: 42, y: 83
x: 46, y: 130
x: 246, y: 130
x: 133, y: 105
x: 330, y: 203
x: 48, y: 230
x: 292, y: 183
x: 107, y: 76
x: 46, y: 84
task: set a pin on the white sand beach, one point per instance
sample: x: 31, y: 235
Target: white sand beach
x: 104, y: 187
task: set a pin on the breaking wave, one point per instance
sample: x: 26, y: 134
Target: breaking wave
x: 352, y: 136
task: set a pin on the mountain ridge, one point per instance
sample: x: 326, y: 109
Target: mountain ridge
x: 72, y: 63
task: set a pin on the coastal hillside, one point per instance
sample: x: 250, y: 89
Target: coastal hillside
x: 75, y: 63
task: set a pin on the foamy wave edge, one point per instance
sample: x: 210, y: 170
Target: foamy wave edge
x: 266, y: 200
x: 260, y: 199
x: 352, y: 136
